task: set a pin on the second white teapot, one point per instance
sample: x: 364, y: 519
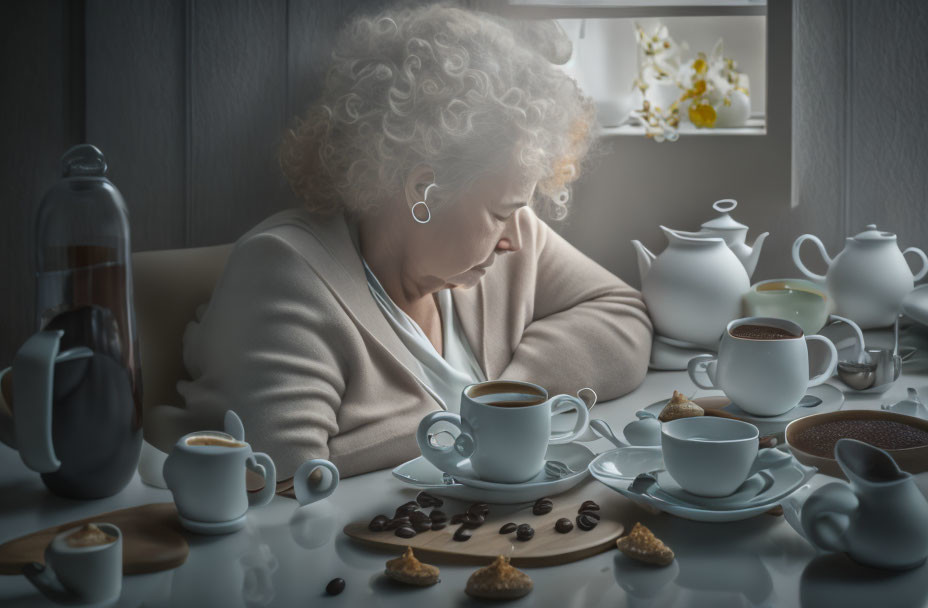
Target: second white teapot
x: 869, y: 278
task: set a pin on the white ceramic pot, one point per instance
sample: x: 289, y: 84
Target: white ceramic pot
x: 693, y: 288
x: 869, y: 278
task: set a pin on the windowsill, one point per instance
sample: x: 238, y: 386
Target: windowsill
x: 755, y: 126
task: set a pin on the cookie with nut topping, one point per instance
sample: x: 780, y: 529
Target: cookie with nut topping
x: 679, y: 406
x: 498, y: 581
x: 409, y: 570
x: 642, y: 545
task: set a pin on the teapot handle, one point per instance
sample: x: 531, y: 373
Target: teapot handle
x: 34, y: 369
x: 921, y: 273
x: 825, y: 515
x: 802, y: 267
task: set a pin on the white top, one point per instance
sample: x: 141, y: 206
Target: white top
x: 446, y: 376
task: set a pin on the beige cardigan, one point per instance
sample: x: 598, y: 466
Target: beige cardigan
x: 293, y: 341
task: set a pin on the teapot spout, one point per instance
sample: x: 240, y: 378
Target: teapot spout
x: 750, y: 262
x: 645, y: 257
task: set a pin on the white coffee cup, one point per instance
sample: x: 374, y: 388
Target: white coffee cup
x: 710, y: 456
x: 86, y: 575
x: 505, y: 430
x: 763, y: 377
x: 208, y: 481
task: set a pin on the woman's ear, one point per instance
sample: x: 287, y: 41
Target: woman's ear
x: 420, y: 178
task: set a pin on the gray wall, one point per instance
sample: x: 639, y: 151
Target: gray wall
x: 188, y: 99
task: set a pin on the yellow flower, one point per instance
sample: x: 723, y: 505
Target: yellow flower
x: 702, y: 115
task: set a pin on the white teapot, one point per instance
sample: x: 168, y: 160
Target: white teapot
x: 733, y: 233
x: 693, y: 288
x: 869, y: 278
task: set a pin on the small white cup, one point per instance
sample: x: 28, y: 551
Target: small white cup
x: 208, y: 481
x: 505, y: 444
x: 87, y: 575
x: 710, y: 456
x: 763, y: 377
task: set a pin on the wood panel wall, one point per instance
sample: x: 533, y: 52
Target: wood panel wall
x: 188, y: 100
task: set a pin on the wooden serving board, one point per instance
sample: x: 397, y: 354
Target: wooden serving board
x: 153, y: 540
x: 546, y: 548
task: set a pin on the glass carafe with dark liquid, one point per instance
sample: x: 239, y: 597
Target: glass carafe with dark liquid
x: 82, y: 430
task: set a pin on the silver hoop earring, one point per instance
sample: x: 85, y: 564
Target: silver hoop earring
x: 428, y: 212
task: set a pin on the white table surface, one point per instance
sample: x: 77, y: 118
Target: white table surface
x: 287, y: 554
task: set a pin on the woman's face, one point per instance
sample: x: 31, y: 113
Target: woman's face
x: 465, y: 237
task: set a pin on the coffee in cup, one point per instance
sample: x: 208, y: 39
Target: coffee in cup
x: 762, y: 365
x: 89, y: 535
x: 505, y: 429
x: 215, y: 441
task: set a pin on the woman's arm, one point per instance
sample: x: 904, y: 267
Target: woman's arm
x: 588, y: 327
x: 268, y: 348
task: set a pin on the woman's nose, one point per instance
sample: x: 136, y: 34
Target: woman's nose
x: 511, y: 240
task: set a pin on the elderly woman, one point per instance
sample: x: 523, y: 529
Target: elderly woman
x: 417, y: 264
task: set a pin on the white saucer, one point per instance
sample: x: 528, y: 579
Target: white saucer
x: 575, y: 456
x: 831, y: 401
x: 627, y: 463
x: 422, y: 474
x: 212, y: 527
x: 668, y: 497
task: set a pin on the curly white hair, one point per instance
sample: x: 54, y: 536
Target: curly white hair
x: 458, y: 90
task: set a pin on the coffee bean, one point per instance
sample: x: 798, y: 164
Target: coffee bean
x: 472, y: 520
x: 335, y: 586
x: 418, y: 516
x: 591, y: 514
x: 463, y: 533
x: 542, y: 506
x: 438, y: 516
x: 405, y: 532
x: 378, y: 524
x: 588, y: 505
x: 457, y: 518
x: 438, y: 526
x: 563, y: 525
x: 525, y: 532
x: 428, y: 500
x: 405, y: 509
x: 422, y: 525
x: 586, y: 521
x: 479, y: 508
x: 508, y: 528
x: 398, y: 522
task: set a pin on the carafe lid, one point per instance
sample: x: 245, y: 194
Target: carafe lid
x: 873, y: 234
x: 84, y: 160
x: 724, y: 221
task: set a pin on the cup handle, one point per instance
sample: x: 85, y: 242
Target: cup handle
x: 832, y: 364
x: 696, y: 362
x: 261, y: 463
x: 565, y: 403
x: 45, y: 580
x: 304, y: 489
x: 446, y: 458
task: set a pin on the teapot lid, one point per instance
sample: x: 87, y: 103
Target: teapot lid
x: 724, y: 221
x: 873, y: 234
